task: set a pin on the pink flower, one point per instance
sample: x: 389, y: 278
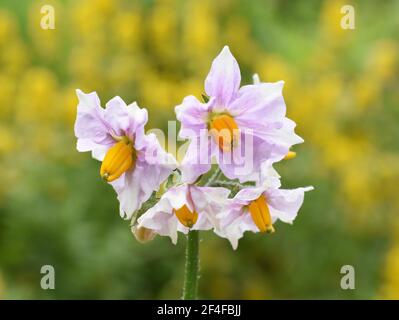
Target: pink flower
x: 183, y: 208
x: 240, y: 127
x: 257, y: 209
x: 132, y: 162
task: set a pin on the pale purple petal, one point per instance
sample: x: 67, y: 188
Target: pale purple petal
x: 91, y: 128
x: 261, y: 101
x: 95, y: 126
x: 208, y: 202
x: 126, y: 120
x: 236, y: 229
x: 178, y: 197
x: 99, y: 152
x: 136, y: 185
x: 205, y: 201
x: 154, y: 166
x: 155, y: 155
x: 235, y: 220
x: 138, y: 119
x: 246, y: 195
x: 282, y: 136
x: 268, y: 176
x: 197, y: 159
x: 284, y: 204
x: 116, y: 116
x: 265, y: 101
x: 161, y: 220
x: 234, y: 208
x: 224, y: 78
x: 128, y: 192
x: 193, y: 116
x: 244, y: 162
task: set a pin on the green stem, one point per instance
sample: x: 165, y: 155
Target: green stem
x: 190, y: 285
x: 214, y: 177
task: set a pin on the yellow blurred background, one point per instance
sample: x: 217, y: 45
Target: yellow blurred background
x: 341, y: 88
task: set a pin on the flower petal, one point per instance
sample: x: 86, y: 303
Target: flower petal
x: 138, y: 119
x: 127, y: 189
x: 153, y: 165
x: 126, y: 120
x: 193, y: 116
x: 246, y: 195
x: 236, y: 229
x: 161, y: 220
x: 263, y: 101
x: 178, y: 197
x: 91, y: 128
x: 235, y: 221
x: 284, y: 204
x: 116, y: 116
x: 205, y: 201
x: 209, y: 202
x: 197, y: 159
x: 244, y: 162
x: 268, y: 177
x: 283, y: 136
x: 224, y: 78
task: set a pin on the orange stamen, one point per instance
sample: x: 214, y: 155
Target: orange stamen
x: 185, y: 216
x: 225, y: 131
x: 261, y: 215
x: 119, y: 159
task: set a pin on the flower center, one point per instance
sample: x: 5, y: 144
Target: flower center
x: 120, y: 158
x: 225, y: 131
x: 185, y: 216
x: 261, y: 215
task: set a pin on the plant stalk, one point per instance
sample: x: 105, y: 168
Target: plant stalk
x: 190, y: 285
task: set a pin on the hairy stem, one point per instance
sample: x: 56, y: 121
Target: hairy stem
x: 214, y: 176
x: 228, y: 184
x: 190, y: 285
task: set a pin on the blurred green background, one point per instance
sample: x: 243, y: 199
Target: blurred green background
x: 341, y: 88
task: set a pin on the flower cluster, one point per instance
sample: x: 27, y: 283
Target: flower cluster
x: 244, y: 129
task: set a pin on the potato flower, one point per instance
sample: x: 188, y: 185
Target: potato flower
x: 132, y: 162
x: 245, y: 129
x: 184, y: 208
x: 256, y: 209
x: 240, y: 127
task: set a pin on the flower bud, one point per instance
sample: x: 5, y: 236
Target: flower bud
x: 142, y: 234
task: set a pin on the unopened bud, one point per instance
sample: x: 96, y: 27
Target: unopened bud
x: 142, y: 234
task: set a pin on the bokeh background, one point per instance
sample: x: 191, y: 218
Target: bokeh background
x: 341, y: 88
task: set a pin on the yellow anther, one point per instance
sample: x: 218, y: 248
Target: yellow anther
x: 261, y: 215
x: 186, y: 217
x: 225, y: 131
x: 119, y: 159
x: 290, y: 155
